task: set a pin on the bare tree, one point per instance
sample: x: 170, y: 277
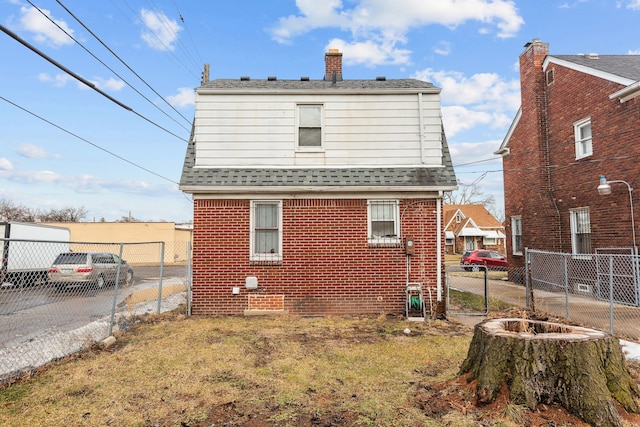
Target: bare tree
x: 10, y: 211
x: 468, y: 194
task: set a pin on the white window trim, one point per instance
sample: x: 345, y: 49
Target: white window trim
x: 580, y: 142
x: 513, y: 235
x: 264, y: 256
x: 573, y: 220
x: 297, y: 132
x: 396, y: 225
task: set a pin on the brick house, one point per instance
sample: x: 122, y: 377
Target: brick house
x: 471, y: 226
x: 579, y: 119
x: 307, y: 192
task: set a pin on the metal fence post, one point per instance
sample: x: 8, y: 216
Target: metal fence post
x: 161, y: 273
x: 611, y: 294
x: 115, y: 292
x: 566, y: 286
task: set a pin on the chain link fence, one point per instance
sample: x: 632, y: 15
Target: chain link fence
x: 477, y: 290
x: 600, y: 290
x: 57, y: 298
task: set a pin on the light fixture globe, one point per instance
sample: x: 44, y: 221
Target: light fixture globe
x: 604, y: 189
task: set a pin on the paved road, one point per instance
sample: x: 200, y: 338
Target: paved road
x: 27, y: 312
x: 618, y: 319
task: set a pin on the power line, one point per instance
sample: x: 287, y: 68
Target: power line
x: 83, y: 80
x: 121, y: 60
x: 109, y: 68
x: 158, y: 39
x: 85, y: 140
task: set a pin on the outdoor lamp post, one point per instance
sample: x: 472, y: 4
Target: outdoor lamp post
x: 604, y: 189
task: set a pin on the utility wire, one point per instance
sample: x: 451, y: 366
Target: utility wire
x: 188, y: 33
x: 166, y: 24
x: 106, y: 66
x: 121, y: 60
x: 85, y: 140
x: 83, y: 80
x: 159, y: 41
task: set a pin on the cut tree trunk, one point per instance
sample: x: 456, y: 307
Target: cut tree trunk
x: 542, y: 362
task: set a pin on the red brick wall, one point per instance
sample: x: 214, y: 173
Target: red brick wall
x: 328, y: 267
x: 543, y: 180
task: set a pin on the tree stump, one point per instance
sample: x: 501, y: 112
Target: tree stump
x: 543, y: 362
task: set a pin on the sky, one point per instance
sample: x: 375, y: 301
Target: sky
x: 97, y: 98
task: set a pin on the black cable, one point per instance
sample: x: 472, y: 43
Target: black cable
x: 83, y: 80
x: 121, y: 60
x: 106, y: 66
x: 85, y: 140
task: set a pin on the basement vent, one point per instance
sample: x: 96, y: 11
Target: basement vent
x: 304, y: 79
x: 381, y: 78
x: 245, y: 78
x: 272, y: 78
x: 582, y: 288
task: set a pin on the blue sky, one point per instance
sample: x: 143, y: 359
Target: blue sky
x: 63, y: 144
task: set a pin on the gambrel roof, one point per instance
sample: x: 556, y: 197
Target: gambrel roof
x: 207, y: 179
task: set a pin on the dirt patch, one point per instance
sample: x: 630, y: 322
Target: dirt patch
x: 202, y: 371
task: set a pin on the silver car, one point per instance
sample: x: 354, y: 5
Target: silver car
x: 88, y: 269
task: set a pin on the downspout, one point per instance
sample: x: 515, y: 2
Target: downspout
x: 439, y: 246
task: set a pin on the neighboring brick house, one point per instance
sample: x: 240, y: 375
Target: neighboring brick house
x: 307, y: 191
x: 579, y: 119
x: 471, y: 226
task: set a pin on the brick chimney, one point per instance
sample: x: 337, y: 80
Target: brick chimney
x: 333, y: 64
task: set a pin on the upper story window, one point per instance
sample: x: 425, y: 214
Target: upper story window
x: 384, y: 224
x: 310, y: 126
x: 582, y: 130
x: 516, y: 235
x: 266, y: 230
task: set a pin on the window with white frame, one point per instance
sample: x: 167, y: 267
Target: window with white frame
x: 582, y: 131
x: 266, y: 230
x: 489, y: 241
x: 384, y: 224
x: 516, y: 235
x: 580, y: 231
x: 310, y: 126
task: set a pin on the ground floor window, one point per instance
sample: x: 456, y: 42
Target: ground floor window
x: 384, y: 223
x: 266, y: 230
x: 580, y: 231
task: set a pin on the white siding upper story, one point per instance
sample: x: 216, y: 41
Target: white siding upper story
x: 234, y: 130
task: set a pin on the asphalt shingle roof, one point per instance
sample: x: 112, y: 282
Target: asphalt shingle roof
x: 208, y: 178
x: 627, y: 66
x: 317, y: 84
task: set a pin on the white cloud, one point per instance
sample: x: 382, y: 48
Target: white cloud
x: 370, y: 52
x: 110, y: 84
x: 159, y: 32
x: 5, y: 165
x: 31, y: 151
x: 633, y: 4
x: 44, y: 30
x: 184, y: 98
x: 467, y: 153
x: 381, y: 26
x: 443, y: 48
x: 59, y: 80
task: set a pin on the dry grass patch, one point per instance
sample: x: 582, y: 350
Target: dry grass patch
x: 172, y: 370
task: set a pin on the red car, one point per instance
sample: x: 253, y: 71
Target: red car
x: 491, y: 259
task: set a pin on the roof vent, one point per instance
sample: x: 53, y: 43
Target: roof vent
x: 592, y: 56
x: 245, y: 78
x: 381, y: 78
x: 304, y: 79
x: 272, y: 78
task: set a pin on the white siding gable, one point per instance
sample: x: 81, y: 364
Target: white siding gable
x: 247, y: 130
